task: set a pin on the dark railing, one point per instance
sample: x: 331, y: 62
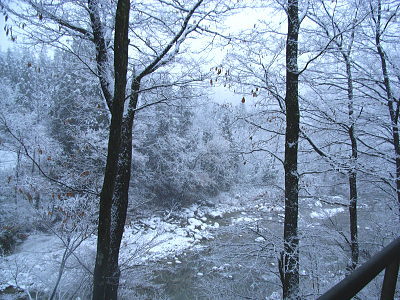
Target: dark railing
x: 388, y: 258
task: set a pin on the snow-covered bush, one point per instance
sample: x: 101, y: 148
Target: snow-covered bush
x: 180, y: 157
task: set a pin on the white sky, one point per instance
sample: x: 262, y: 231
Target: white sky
x: 241, y: 21
x: 4, y: 41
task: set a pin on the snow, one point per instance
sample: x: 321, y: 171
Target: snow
x: 8, y: 159
x: 245, y: 220
x: 35, y: 263
x: 326, y: 213
x: 34, y: 266
x: 216, y: 214
x: 274, y: 296
x: 194, y: 223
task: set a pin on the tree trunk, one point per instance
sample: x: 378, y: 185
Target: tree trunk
x: 101, y: 283
x: 353, y: 205
x: 353, y: 164
x: 121, y: 192
x: 291, y: 239
x: 119, y: 208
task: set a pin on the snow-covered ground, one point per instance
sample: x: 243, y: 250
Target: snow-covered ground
x: 7, y: 159
x: 35, y: 264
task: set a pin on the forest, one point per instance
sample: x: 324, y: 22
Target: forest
x: 196, y: 149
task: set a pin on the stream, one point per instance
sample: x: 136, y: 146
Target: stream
x: 236, y: 264
x: 237, y: 259
x: 241, y: 261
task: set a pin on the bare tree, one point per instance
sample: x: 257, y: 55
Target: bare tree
x: 95, y: 22
x: 342, y: 34
x: 392, y: 102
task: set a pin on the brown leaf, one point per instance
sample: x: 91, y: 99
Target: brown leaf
x: 29, y: 196
x: 85, y: 173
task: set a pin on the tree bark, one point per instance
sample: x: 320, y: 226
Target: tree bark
x: 101, y: 283
x: 353, y: 165
x: 353, y: 203
x: 101, y: 50
x: 291, y: 239
x: 121, y: 192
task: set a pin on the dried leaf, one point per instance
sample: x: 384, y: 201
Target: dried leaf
x: 85, y: 173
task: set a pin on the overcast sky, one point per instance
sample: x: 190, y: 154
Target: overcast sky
x: 233, y: 24
x: 3, y: 40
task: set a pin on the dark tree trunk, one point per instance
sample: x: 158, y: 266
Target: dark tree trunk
x: 392, y: 104
x: 352, y: 172
x: 101, y: 283
x: 114, y: 194
x: 353, y: 204
x: 291, y: 239
x: 121, y: 192
x: 101, y: 50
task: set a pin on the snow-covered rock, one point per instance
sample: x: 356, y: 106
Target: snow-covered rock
x: 326, y: 213
x: 215, y: 214
x: 274, y: 296
x: 195, y: 223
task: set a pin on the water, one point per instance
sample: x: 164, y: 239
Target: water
x: 241, y: 262
x: 235, y: 265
